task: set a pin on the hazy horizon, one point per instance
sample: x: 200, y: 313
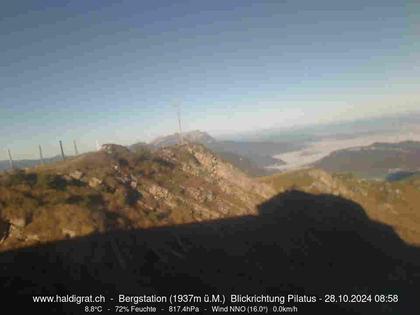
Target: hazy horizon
x: 108, y: 71
x: 369, y: 130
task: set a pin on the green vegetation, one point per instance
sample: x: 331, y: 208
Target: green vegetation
x: 395, y: 203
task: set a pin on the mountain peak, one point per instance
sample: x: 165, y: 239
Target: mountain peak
x: 195, y: 136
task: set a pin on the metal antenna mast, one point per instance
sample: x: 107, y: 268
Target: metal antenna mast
x: 178, y: 112
x: 62, y: 151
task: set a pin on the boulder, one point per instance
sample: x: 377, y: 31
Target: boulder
x: 133, y: 184
x: 32, y: 237
x: 18, y: 222
x: 77, y: 175
x: 94, y: 182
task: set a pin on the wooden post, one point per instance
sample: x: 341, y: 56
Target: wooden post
x: 41, y: 157
x: 12, y: 166
x: 76, y: 152
x: 62, y: 151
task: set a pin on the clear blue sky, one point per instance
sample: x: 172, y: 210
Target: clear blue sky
x: 110, y: 70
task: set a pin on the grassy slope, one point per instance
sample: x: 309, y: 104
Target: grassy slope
x: 396, y: 204
x: 373, y: 161
x: 149, y: 189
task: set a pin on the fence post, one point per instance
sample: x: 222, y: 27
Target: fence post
x: 62, y: 151
x: 12, y: 165
x: 76, y: 152
x: 41, y: 157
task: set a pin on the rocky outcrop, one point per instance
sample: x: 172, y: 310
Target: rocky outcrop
x: 326, y: 183
x: 94, y: 182
x: 18, y: 222
x: 114, y: 149
x: 158, y: 192
x: 4, y: 230
x: 76, y: 175
x: 226, y: 172
x: 199, y: 194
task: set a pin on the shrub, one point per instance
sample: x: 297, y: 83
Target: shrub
x: 118, y: 199
x: 131, y: 197
x: 143, y: 154
x: 51, y: 181
x: 94, y: 201
x: 20, y: 177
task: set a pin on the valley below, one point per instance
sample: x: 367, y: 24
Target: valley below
x: 317, y: 150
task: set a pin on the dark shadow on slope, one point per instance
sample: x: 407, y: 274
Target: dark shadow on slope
x: 299, y: 244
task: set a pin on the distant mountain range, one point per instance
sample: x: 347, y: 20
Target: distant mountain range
x: 380, y: 160
x: 394, y: 123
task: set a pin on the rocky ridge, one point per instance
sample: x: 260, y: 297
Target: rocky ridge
x: 116, y: 188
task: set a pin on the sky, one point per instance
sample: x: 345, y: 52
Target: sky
x: 112, y: 71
